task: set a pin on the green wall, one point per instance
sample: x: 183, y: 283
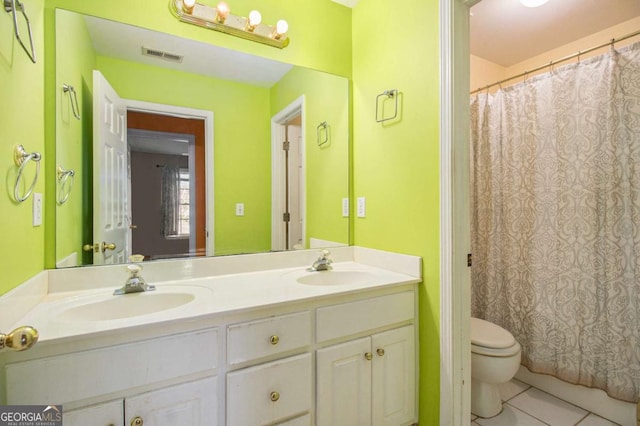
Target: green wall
x: 241, y: 137
x: 75, y: 59
x: 21, y: 94
x: 327, y: 166
x: 396, y: 163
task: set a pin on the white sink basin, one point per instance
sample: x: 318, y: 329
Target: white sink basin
x: 107, y: 307
x: 336, y: 278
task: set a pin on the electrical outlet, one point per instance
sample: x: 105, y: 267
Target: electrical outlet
x: 345, y: 207
x: 239, y: 209
x: 37, y: 209
x: 361, y: 207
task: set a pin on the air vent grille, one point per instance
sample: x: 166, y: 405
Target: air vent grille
x: 146, y: 51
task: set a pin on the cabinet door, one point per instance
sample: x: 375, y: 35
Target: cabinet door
x: 394, y: 382
x: 344, y: 384
x: 107, y: 414
x: 188, y: 404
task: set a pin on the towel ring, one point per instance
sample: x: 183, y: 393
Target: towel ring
x: 22, y: 158
x: 73, y: 99
x: 319, y: 130
x: 387, y: 94
x: 66, y: 179
x: 13, y: 7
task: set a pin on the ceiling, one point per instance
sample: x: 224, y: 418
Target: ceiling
x: 121, y: 41
x: 506, y: 32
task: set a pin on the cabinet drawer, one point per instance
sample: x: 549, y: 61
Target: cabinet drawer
x: 270, y: 392
x: 298, y: 421
x: 112, y: 369
x: 109, y: 413
x: 252, y: 340
x: 346, y: 319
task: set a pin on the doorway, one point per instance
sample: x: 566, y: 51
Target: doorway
x: 288, y: 178
x: 167, y: 182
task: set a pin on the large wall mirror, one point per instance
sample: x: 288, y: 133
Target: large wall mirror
x: 168, y: 147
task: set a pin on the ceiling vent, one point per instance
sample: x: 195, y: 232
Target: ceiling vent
x: 172, y: 57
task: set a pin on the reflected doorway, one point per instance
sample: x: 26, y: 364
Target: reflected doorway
x: 167, y: 185
x: 288, y: 178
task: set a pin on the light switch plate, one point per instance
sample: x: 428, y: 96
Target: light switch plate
x: 361, y: 207
x: 37, y: 209
x: 239, y: 209
x: 345, y: 207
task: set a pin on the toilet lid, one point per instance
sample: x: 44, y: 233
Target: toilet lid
x: 489, y: 335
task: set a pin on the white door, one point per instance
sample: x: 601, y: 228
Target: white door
x: 188, y: 404
x: 110, y: 185
x: 394, y: 383
x: 109, y: 413
x: 343, y: 383
x: 296, y: 191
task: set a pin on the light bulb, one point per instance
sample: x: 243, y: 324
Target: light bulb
x: 533, y: 3
x: 187, y: 5
x: 254, y: 19
x: 281, y: 28
x: 222, y: 11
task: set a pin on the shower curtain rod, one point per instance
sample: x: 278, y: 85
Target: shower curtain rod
x: 557, y: 61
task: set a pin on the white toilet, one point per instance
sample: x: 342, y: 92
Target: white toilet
x: 495, y: 358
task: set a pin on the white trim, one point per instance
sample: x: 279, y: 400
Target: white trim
x: 207, y: 116
x: 277, y: 176
x: 455, y: 355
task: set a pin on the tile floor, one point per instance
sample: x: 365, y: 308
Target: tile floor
x: 527, y: 406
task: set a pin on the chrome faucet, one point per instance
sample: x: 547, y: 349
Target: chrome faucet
x: 135, y: 283
x: 323, y: 263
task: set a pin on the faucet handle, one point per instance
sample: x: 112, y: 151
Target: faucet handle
x: 324, y: 254
x: 134, y: 269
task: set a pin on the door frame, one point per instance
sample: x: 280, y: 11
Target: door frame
x: 207, y: 116
x: 277, y: 171
x: 455, y: 290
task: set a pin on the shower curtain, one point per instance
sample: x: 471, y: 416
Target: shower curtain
x: 556, y: 219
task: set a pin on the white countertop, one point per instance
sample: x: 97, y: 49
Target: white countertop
x: 215, y: 294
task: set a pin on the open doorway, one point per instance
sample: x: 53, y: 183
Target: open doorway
x: 288, y: 180
x: 167, y: 185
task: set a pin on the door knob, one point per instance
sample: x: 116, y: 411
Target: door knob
x: 108, y: 246
x: 137, y: 421
x: 19, y: 339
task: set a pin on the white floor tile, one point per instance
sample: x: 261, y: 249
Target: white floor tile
x: 510, y: 416
x: 512, y: 388
x: 548, y: 408
x: 593, y: 420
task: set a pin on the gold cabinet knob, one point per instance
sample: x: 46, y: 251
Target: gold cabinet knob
x: 368, y: 356
x: 274, y: 396
x: 91, y: 247
x: 137, y: 421
x: 274, y: 339
x: 108, y: 246
x: 133, y: 226
x: 380, y: 352
x: 20, y: 339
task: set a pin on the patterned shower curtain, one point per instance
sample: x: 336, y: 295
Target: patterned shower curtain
x: 556, y: 219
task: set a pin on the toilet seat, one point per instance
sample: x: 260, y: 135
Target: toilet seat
x: 492, y: 340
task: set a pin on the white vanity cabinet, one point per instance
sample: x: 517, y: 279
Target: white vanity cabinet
x: 131, y: 377
x: 187, y: 404
x: 369, y: 380
x: 274, y: 391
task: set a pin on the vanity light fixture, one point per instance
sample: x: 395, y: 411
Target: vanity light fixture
x: 221, y: 19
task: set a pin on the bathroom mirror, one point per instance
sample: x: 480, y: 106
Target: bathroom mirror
x: 218, y: 181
